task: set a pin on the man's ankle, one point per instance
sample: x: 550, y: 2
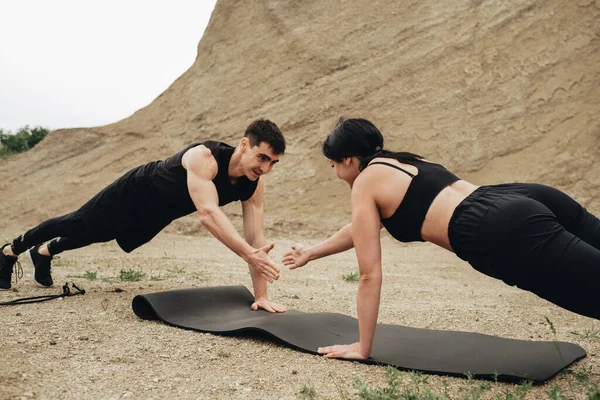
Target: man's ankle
x: 43, y: 250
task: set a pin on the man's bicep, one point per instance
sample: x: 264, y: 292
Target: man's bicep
x: 202, y: 191
x: 201, y: 168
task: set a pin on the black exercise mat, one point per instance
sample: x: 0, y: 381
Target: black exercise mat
x: 226, y: 309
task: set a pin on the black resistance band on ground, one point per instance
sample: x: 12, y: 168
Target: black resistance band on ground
x: 66, y: 292
x: 226, y: 310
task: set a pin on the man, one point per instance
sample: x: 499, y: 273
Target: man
x: 138, y: 205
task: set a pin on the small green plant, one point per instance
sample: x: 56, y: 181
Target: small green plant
x: 351, y: 277
x: 59, y: 262
x: 176, y: 270
x: 223, y: 353
x: 554, y: 334
x: 582, y: 376
x: 104, y: 304
x: 555, y: 393
x: 588, y: 333
x: 523, y: 388
x: 92, y: 276
x: 551, y: 325
x: 308, y: 392
x: 475, y: 390
x: 120, y: 360
x: 131, y: 275
x: 495, y: 376
x: 198, y: 276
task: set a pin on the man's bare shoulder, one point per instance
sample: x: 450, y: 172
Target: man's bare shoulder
x: 197, y: 155
x: 199, y: 159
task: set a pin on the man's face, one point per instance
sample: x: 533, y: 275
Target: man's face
x: 258, y: 160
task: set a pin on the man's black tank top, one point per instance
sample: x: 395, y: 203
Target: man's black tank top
x: 146, y: 199
x: 406, y: 222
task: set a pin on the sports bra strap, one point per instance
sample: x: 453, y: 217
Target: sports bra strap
x: 394, y: 166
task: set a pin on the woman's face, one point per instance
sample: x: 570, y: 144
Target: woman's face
x: 347, y: 169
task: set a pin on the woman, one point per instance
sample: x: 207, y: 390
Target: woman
x: 528, y: 235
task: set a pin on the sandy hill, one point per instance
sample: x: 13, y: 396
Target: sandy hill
x: 495, y: 90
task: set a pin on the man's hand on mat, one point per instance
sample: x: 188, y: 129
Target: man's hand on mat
x: 296, y: 258
x: 267, y: 305
x: 260, y: 260
x: 348, y: 351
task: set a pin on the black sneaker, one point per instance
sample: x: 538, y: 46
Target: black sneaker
x: 41, y: 267
x: 6, y: 268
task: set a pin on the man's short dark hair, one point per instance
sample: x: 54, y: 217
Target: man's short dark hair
x: 263, y: 130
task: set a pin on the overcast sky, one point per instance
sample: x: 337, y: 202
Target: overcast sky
x: 74, y: 63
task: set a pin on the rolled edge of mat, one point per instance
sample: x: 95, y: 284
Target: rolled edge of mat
x: 143, y: 309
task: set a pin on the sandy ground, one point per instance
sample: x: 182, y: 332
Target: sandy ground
x: 496, y: 91
x: 93, y: 346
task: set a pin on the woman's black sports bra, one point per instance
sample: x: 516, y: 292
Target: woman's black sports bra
x: 406, y: 222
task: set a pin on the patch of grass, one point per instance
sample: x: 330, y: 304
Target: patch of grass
x: 584, y: 380
x: 475, y: 390
x: 593, y: 393
x: 176, y: 270
x: 223, y: 353
x: 556, y: 394
x: 519, y: 393
x: 308, y: 393
x: 582, y: 376
x: 58, y: 262
x: 588, y: 333
x: 198, y: 276
x: 120, y: 360
x: 131, y: 275
x: 351, y: 277
x: 418, y: 388
x: 398, y: 387
x: 395, y: 391
x: 92, y: 276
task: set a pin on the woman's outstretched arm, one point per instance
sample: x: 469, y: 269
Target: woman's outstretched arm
x: 365, y: 235
x: 300, y: 255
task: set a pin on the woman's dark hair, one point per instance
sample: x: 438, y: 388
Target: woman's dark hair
x: 359, y: 137
x: 263, y: 130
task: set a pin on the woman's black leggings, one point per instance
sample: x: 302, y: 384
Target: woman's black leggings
x: 535, y: 237
x: 67, y: 232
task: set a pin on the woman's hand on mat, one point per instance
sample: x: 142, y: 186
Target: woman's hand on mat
x: 267, y: 305
x: 348, y: 351
x: 261, y: 262
x: 297, y: 257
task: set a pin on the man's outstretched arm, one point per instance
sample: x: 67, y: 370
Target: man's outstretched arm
x: 253, y: 212
x: 201, y: 169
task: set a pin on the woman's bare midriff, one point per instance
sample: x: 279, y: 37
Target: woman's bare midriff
x: 437, y: 219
